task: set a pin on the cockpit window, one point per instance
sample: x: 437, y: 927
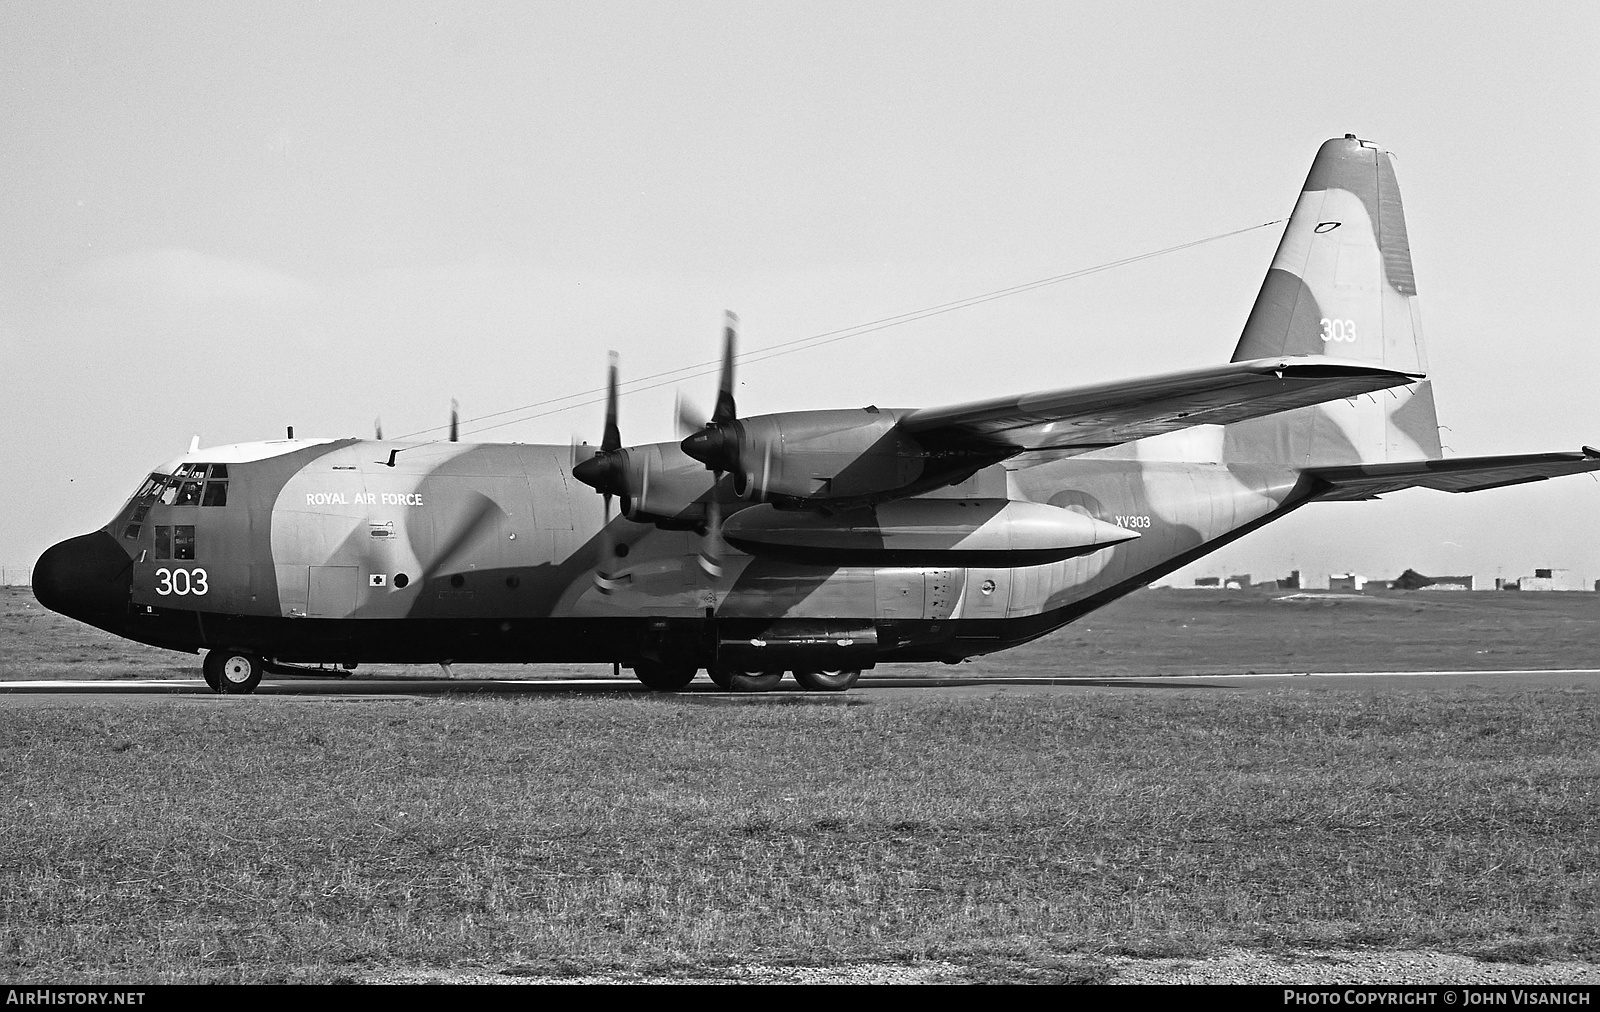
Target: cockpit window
x: 217, y: 488
x: 189, y: 485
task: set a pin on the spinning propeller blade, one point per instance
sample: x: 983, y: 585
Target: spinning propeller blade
x: 690, y: 418
x: 603, y: 471
x: 716, y: 445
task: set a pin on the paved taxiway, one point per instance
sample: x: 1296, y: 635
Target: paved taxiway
x: 55, y: 693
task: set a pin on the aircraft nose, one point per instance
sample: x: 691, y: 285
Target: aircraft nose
x: 88, y: 577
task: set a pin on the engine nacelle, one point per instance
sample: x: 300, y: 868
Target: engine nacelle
x: 658, y: 483
x: 809, y: 458
x: 664, y: 486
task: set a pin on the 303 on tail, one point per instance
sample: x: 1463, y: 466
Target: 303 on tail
x: 814, y: 542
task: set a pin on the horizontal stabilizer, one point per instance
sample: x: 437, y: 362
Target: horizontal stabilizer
x: 1458, y: 474
x: 1080, y: 419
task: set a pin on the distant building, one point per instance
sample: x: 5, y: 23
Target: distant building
x: 1550, y: 579
x: 1290, y: 582
x: 1413, y: 580
x: 1238, y: 581
x: 1207, y: 581
x: 1346, y: 581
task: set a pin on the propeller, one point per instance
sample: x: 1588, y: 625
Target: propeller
x: 715, y: 444
x: 377, y: 428
x: 455, y: 421
x: 606, y: 472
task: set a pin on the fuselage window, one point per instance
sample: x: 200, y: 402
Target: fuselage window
x: 216, y: 494
x: 163, y: 541
x: 188, y: 494
x: 183, y: 542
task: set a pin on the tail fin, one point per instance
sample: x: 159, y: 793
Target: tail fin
x: 1341, y: 285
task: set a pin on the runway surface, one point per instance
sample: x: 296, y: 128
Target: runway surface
x: 869, y: 689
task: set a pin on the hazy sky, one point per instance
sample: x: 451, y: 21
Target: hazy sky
x: 224, y: 219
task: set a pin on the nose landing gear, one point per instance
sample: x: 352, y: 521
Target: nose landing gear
x: 234, y: 672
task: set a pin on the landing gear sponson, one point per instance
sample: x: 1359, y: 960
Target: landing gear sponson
x: 238, y: 672
x: 733, y: 680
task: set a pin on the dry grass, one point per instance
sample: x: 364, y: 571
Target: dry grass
x: 262, y: 839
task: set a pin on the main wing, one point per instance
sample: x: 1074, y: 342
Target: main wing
x: 1458, y: 474
x: 1080, y: 419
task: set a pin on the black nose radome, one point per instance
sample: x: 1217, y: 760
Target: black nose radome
x: 87, y: 577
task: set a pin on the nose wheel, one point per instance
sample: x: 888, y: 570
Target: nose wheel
x: 234, y: 672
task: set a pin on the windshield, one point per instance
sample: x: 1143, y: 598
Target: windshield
x: 188, y: 485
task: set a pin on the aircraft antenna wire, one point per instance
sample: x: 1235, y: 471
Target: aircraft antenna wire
x: 798, y: 344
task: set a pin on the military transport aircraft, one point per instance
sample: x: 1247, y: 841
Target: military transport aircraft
x: 814, y: 542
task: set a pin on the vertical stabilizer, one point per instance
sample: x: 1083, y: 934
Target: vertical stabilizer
x: 1342, y: 285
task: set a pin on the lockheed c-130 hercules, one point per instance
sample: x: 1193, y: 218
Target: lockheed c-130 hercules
x: 814, y: 542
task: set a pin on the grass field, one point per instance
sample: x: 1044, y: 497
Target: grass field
x: 1152, y: 632
x: 1022, y: 838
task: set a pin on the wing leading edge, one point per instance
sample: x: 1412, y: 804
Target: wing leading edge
x: 1080, y: 419
x: 1458, y: 474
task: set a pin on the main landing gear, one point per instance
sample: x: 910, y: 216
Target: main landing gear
x: 672, y: 677
x: 235, y: 672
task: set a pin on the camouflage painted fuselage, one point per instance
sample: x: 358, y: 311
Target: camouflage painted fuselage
x: 486, y: 552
